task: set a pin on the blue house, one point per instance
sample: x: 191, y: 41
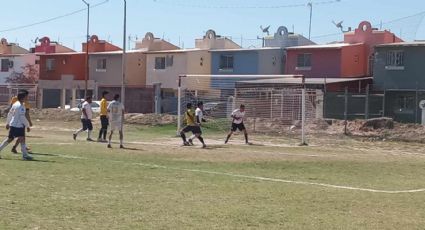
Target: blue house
x: 268, y: 60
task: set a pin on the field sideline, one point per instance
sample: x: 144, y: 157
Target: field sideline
x: 335, y: 183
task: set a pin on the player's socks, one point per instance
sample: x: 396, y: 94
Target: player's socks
x: 25, y: 154
x: 105, y: 131
x: 201, y: 140
x: 227, y: 139
x: 183, y: 137
x: 3, y: 144
x: 246, y: 138
x: 79, y: 131
x: 89, y: 134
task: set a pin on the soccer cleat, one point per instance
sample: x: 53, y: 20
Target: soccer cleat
x: 204, y: 146
x: 190, y: 142
x: 99, y: 140
x: 186, y: 144
x: 89, y: 139
x: 122, y: 147
x: 27, y: 158
x: 74, y: 136
x: 109, y: 146
x: 14, y: 151
x: 248, y: 143
x: 225, y: 142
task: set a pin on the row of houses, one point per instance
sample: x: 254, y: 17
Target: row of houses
x: 366, y: 56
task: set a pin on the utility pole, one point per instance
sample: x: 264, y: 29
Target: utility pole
x: 310, y: 4
x: 124, y: 55
x: 87, y: 49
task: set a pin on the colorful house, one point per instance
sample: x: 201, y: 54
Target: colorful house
x: 165, y: 67
x: 351, y: 59
x: 399, y: 71
x: 106, y: 71
x: 63, y: 72
x: 18, y: 69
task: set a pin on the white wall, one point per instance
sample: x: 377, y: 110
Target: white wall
x: 19, y: 62
x: 168, y: 77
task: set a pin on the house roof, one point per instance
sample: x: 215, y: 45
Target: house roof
x: 416, y: 43
x: 326, y: 46
x: 119, y: 52
x: 308, y: 81
x: 246, y: 49
x: 59, y: 54
x: 176, y: 51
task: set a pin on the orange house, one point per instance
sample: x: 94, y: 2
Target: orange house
x: 63, y: 74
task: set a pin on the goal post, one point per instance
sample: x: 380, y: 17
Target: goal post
x: 271, y: 105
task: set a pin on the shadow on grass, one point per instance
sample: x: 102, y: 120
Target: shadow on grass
x: 44, y: 154
x: 33, y: 160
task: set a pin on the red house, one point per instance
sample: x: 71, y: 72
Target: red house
x: 351, y: 59
x: 63, y: 71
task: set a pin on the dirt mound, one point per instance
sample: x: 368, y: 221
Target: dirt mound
x: 55, y: 115
x: 150, y: 119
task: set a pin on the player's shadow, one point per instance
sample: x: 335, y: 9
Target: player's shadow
x: 44, y: 154
x: 36, y: 137
x: 133, y: 149
x: 212, y: 147
x: 33, y: 160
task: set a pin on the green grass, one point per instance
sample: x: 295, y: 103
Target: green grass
x: 87, y: 186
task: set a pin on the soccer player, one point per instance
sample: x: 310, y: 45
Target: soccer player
x: 199, y: 119
x: 191, y: 126
x: 16, y: 124
x: 27, y: 106
x: 237, y: 123
x: 116, y: 113
x: 86, y: 116
x: 103, y: 118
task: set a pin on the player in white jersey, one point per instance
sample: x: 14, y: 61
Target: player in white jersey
x: 237, y: 123
x: 16, y: 124
x: 199, y: 114
x: 86, y: 117
x: 116, y: 114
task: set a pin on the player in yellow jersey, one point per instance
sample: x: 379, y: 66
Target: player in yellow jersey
x: 104, y: 121
x: 191, y: 126
x: 27, y: 106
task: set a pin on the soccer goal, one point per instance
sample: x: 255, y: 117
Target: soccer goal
x: 273, y: 104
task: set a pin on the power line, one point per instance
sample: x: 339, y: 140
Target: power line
x: 52, y: 19
x: 245, y: 6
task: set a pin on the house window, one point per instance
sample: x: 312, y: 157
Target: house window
x: 50, y: 64
x: 101, y: 65
x: 226, y: 62
x: 395, y: 60
x: 160, y: 63
x: 304, y: 60
x: 5, y: 65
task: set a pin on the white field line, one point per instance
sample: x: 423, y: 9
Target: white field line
x: 284, y: 181
x: 263, y: 178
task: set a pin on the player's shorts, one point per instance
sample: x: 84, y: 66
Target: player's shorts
x: 104, y: 121
x: 240, y: 126
x: 16, y: 132
x: 116, y: 125
x: 193, y: 129
x: 87, y: 125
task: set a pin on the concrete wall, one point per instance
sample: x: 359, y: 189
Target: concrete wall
x: 411, y: 77
x: 271, y: 62
x: 244, y: 62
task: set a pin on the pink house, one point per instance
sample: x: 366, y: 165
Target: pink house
x: 351, y: 59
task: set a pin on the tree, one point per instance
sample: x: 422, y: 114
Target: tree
x: 29, y: 75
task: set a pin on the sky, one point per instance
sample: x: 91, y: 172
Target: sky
x: 182, y: 21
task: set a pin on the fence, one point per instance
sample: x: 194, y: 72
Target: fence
x: 7, y: 91
x: 350, y: 104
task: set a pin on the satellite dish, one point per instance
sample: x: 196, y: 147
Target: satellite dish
x: 339, y: 25
x: 265, y: 30
x: 422, y: 104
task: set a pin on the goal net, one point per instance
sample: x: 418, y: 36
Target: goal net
x: 271, y: 105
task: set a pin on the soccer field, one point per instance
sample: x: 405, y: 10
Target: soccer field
x: 335, y: 183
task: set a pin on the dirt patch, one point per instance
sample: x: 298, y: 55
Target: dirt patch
x: 150, y: 119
